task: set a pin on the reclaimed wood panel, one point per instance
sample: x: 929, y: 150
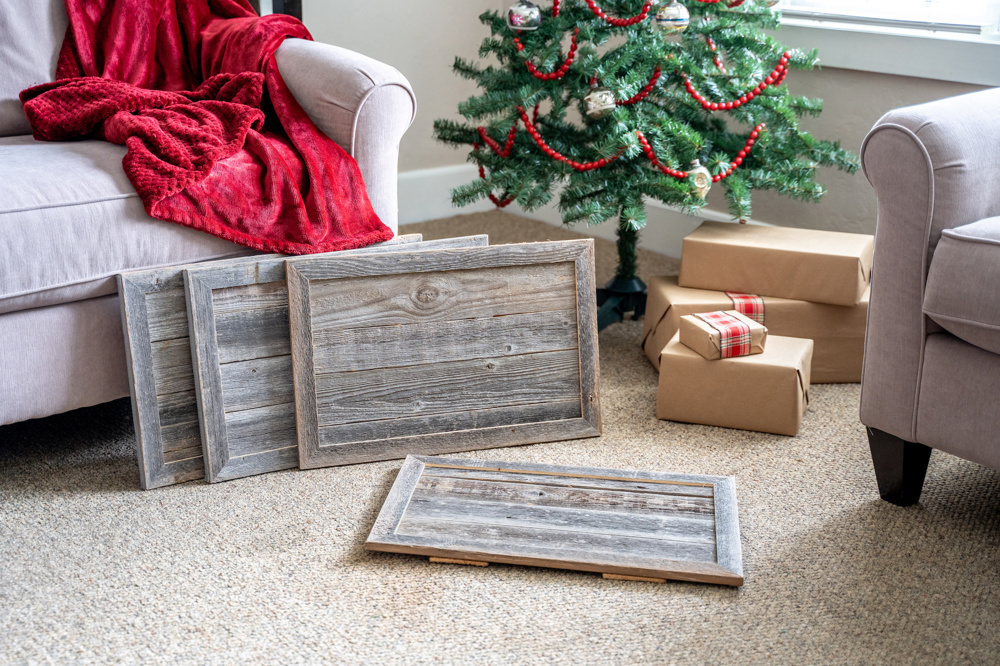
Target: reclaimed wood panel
x: 242, y: 352
x: 161, y: 376
x: 649, y: 525
x: 161, y: 373
x: 444, y: 351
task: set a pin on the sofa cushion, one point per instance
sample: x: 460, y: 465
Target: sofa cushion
x: 31, y: 34
x: 70, y: 221
x: 963, y: 283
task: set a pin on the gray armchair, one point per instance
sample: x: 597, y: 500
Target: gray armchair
x: 932, y: 352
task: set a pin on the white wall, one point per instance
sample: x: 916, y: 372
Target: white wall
x: 422, y: 39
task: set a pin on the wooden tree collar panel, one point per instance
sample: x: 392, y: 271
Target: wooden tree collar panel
x: 161, y: 376
x: 242, y: 356
x: 640, y: 525
x: 443, y: 351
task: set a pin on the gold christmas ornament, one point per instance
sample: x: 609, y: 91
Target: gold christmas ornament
x: 524, y: 16
x: 701, y: 178
x: 599, y: 102
x: 673, y: 18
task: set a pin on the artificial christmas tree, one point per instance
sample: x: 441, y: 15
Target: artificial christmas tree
x: 636, y: 107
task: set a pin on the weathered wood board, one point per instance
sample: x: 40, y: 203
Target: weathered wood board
x: 645, y: 525
x: 160, y: 370
x: 444, y: 351
x: 242, y: 356
x: 161, y: 376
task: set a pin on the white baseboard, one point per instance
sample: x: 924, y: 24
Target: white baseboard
x: 425, y: 195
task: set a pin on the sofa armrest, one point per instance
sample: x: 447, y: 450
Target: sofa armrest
x: 362, y: 104
x: 933, y: 167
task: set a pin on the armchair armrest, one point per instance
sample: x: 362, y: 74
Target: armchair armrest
x: 934, y: 166
x: 362, y: 104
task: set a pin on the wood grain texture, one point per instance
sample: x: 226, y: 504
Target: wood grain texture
x: 161, y: 377
x: 443, y: 351
x: 629, y: 524
x: 240, y: 342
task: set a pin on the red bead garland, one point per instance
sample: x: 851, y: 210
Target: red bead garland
x: 617, y: 22
x: 499, y: 203
x: 718, y: 60
x: 737, y: 161
x: 557, y: 74
x: 557, y: 156
x: 648, y: 149
x: 642, y: 94
x: 555, y: 7
x: 774, y: 78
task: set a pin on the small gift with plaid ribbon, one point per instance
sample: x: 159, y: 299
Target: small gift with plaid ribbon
x: 722, y: 334
x: 749, y: 305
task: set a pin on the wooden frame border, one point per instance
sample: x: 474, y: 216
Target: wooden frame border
x: 200, y: 283
x: 303, y: 270
x: 133, y: 288
x: 727, y: 571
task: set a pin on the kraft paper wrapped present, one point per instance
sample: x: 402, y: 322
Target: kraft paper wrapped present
x: 798, y: 264
x: 837, y: 331
x: 765, y: 392
x: 703, y: 337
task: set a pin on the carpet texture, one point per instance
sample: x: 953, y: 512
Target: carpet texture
x: 272, y: 569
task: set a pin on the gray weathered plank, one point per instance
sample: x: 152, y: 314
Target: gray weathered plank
x: 572, y: 481
x: 259, y: 382
x: 353, y: 349
x: 452, y: 386
x: 585, y: 534
x: 172, y: 368
x: 561, y: 496
x: 509, y: 434
x: 390, y: 299
x: 444, y: 343
x: 432, y: 506
x: 473, y: 419
x: 555, y: 540
x: 241, y: 344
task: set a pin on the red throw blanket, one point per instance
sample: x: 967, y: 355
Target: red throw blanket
x: 182, y: 83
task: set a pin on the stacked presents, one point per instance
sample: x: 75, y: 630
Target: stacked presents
x: 756, y: 314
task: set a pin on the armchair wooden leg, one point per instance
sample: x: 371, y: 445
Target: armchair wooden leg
x: 900, y: 467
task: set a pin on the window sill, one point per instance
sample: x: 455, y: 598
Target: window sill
x: 929, y: 55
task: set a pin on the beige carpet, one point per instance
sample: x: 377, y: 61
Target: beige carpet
x: 271, y: 569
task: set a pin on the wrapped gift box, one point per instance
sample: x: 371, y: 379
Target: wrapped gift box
x: 765, y: 392
x: 700, y: 336
x: 837, y: 332
x: 799, y: 264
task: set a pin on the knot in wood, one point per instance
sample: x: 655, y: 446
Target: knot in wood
x: 426, y: 294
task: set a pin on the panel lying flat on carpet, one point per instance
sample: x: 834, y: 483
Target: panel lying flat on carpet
x: 646, y: 525
x: 243, y: 365
x: 443, y: 351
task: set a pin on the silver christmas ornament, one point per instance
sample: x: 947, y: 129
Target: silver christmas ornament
x: 701, y: 178
x: 599, y: 102
x: 768, y: 3
x: 673, y: 18
x: 524, y: 16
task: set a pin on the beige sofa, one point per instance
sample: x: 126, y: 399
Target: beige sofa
x: 70, y: 220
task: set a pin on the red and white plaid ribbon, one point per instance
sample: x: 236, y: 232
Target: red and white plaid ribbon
x: 734, y: 335
x: 748, y: 305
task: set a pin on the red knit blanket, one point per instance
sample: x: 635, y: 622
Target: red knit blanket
x: 215, y: 139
